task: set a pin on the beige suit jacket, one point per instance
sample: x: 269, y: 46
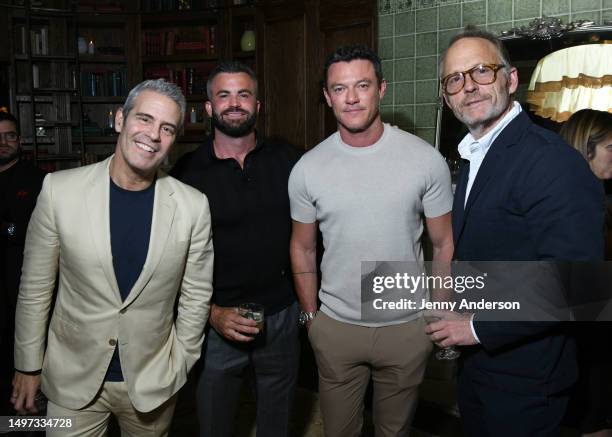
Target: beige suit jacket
x: 69, y: 231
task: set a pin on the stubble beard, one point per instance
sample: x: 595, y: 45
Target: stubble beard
x: 364, y: 127
x: 491, y: 117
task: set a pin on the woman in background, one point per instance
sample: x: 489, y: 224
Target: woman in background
x: 590, y: 132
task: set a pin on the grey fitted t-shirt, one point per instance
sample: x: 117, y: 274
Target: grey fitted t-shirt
x: 369, y: 203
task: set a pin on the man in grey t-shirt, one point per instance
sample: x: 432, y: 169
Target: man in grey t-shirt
x: 366, y: 187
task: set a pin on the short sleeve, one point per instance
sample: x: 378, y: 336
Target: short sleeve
x: 303, y: 209
x: 438, y: 197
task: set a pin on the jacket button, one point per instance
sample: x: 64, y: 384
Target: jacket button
x: 112, y: 342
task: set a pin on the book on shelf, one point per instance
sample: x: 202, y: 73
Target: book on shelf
x: 104, y: 83
x: 191, y: 80
x: 20, y: 39
x: 39, y: 41
x: 191, y: 46
x: 167, y: 42
x: 170, y: 41
x: 44, y: 41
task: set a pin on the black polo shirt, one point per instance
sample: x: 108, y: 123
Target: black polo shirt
x: 251, y: 221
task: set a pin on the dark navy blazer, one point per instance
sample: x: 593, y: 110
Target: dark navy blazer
x: 534, y: 198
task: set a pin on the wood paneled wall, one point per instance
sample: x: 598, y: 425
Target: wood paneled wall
x: 296, y: 36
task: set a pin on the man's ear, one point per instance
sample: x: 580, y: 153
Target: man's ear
x: 209, y: 111
x: 382, y: 89
x: 513, y: 80
x: 119, y: 120
x: 327, y: 98
x: 445, y: 98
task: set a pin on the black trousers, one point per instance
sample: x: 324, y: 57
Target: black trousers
x: 7, y: 335
x: 491, y: 412
x: 272, y: 362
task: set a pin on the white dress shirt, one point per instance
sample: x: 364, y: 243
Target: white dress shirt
x: 475, y: 150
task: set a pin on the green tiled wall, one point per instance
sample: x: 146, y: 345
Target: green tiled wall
x: 413, y: 32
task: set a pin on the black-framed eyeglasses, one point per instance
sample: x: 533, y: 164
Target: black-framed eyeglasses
x: 9, y: 136
x: 483, y: 74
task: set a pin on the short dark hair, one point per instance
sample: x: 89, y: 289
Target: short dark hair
x: 471, y: 31
x: 229, y: 67
x: 6, y: 116
x: 351, y: 53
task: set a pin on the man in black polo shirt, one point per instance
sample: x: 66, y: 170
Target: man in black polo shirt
x: 245, y: 179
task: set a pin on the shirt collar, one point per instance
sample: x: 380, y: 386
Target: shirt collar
x: 470, y: 148
x: 210, y: 150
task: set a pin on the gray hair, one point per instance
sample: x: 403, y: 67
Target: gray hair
x: 472, y: 31
x: 160, y: 86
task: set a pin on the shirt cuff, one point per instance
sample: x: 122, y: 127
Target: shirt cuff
x: 473, y: 330
x: 33, y: 372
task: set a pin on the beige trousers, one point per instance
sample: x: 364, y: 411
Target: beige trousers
x: 92, y: 421
x: 348, y: 355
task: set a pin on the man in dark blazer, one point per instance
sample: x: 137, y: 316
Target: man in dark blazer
x: 523, y: 195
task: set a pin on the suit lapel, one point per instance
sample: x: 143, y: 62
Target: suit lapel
x: 97, y: 205
x: 459, y: 199
x: 487, y: 169
x: 490, y: 166
x: 163, y: 216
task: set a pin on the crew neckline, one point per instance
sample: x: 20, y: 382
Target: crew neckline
x: 365, y: 149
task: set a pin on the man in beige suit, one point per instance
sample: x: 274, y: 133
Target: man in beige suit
x: 127, y: 240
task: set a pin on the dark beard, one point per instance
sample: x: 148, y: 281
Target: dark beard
x: 10, y: 157
x: 235, y: 130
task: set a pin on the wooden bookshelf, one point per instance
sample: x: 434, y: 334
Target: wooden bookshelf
x: 292, y: 40
x: 82, y: 57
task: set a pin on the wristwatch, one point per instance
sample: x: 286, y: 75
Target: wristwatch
x: 306, y: 316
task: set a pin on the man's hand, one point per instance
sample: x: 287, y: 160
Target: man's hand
x: 25, y: 388
x: 231, y: 325
x: 452, y: 329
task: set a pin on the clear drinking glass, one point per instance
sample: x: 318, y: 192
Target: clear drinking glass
x: 253, y: 311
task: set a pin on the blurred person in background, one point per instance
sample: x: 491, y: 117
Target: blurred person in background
x: 20, y: 183
x: 590, y: 132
